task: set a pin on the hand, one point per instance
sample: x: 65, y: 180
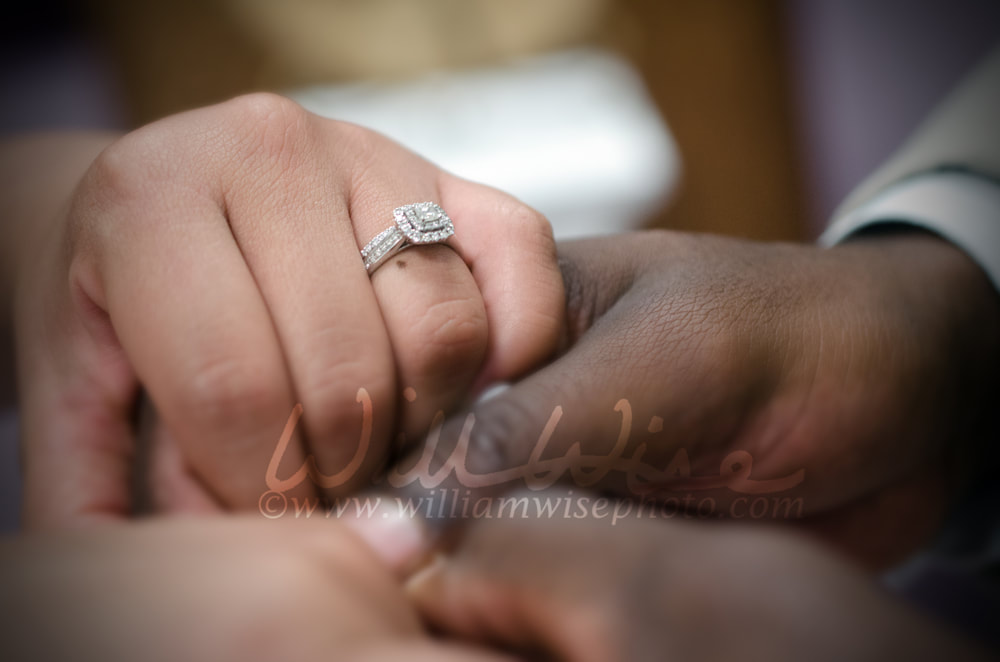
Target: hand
x: 583, y: 590
x: 212, y: 259
x: 214, y: 589
x: 860, y: 372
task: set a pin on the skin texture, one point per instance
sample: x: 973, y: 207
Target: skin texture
x: 211, y: 259
x: 221, y: 589
x: 578, y: 590
x: 869, y: 367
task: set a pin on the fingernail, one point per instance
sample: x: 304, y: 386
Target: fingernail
x: 491, y: 391
x: 399, y: 539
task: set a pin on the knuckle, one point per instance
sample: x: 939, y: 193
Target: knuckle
x: 582, y: 304
x: 366, y: 148
x: 268, y: 126
x: 448, y: 336
x: 357, y: 137
x: 228, y: 391
x: 126, y: 187
x: 267, y: 110
x: 127, y: 168
x: 329, y: 391
x: 528, y: 224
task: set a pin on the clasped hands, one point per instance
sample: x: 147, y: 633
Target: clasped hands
x: 210, y: 262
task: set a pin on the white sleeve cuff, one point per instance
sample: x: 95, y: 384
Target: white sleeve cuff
x: 962, y: 208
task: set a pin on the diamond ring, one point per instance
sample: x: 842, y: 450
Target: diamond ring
x: 416, y: 224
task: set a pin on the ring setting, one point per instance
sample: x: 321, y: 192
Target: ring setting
x: 416, y: 224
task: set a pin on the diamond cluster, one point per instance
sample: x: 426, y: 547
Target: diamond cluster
x: 424, y: 223
x: 420, y: 223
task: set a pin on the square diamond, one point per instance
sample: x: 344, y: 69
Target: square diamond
x: 424, y: 222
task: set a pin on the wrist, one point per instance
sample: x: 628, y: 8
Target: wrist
x: 952, y: 310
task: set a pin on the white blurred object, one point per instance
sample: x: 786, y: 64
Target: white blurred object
x: 573, y: 134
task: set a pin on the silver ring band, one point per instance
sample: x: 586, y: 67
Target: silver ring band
x: 416, y: 224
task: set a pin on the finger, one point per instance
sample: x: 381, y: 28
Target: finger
x: 289, y: 215
x: 585, y: 421
x: 580, y: 407
x: 76, y: 399
x: 496, y: 437
x: 189, y: 316
x: 626, y: 409
x: 339, y: 334
x: 510, y: 249
x: 519, y: 437
x: 431, y: 304
x: 437, y: 323
x: 172, y: 486
x: 645, y: 591
x: 543, y: 593
x: 396, y: 537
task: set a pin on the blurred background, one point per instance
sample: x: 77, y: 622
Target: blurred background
x: 748, y: 117
x: 745, y: 117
